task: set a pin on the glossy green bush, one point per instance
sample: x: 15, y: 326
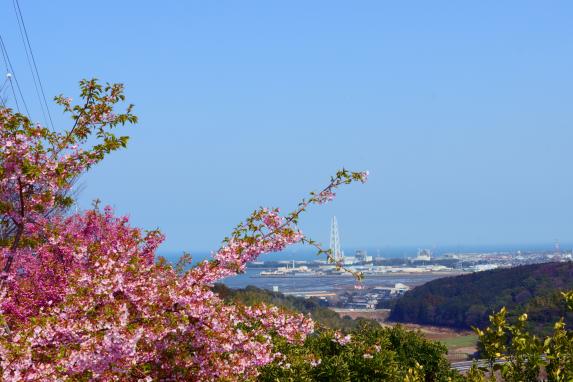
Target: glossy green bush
x: 518, y: 355
x: 373, y: 353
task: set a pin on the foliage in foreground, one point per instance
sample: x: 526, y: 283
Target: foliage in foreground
x: 374, y: 353
x: 519, y: 355
x: 368, y: 353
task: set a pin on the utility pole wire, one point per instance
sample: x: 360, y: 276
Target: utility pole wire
x: 8, y: 79
x: 30, y: 65
x: 11, y: 74
x: 2, y: 88
x: 28, y: 46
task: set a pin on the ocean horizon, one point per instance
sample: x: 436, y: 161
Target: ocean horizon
x: 305, y: 254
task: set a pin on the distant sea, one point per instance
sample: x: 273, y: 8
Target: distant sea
x: 386, y: 252
x: 250, y: 277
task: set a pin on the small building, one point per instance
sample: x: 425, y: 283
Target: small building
x: 362, y: 256
x: 349, y: 260
x: 423, y: 255
x: 390, y: 292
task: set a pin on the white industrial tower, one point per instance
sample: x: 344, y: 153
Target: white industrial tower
x: 335, y: 242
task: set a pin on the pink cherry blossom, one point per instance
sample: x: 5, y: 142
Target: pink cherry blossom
x: 83, y: 296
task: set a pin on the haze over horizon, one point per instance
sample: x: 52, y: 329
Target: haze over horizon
x: 466, y: 129
x: 388, y: 251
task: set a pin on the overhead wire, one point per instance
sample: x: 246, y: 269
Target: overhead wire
x: 7, y: 75
x: 2, y: 88
x: 28, y: 48
x: 28, y: 59
x: 11, y: 75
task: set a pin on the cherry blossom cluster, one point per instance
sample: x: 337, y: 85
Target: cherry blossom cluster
x: 92, y: 302
x: 83, y: 296
x: 341, y: 339
x: 38, y: 166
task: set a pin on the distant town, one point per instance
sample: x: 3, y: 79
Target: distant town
x: 402, y: 273
x: 450, y: 264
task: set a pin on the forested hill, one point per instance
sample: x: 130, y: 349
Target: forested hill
x: 468, y: 300
x: 252, y: 295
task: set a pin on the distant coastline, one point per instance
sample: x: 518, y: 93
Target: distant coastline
x: 386, y: 252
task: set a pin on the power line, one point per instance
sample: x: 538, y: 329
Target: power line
x: 2, y: 88
x: 7, y: 80
x: 3, y: 85
x: 11, y: 74
x: 28, y: 46
x: 30, y: 64
x: 14, y: 93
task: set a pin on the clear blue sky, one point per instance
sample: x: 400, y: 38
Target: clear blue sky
x: 462, y: 112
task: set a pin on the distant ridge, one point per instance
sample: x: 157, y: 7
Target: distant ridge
x: 468, y: 300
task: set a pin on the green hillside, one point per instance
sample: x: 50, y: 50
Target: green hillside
x: 468, y: 300
x: 252, y: 295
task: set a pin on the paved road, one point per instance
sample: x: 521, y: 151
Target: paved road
x: 466, y: 365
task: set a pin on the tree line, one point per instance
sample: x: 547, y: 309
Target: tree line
x: 468, y: 300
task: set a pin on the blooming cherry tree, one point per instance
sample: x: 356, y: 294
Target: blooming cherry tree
x: 84, y: 297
